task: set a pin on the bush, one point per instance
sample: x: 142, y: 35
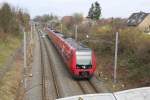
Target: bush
x: 133, y: 54
x: 12, y: 21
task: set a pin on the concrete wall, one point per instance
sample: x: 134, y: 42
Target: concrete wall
x: 132, y: 94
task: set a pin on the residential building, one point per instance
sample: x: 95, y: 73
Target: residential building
x: 140, y: 20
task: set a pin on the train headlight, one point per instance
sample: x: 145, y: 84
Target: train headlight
x: 83, y: 67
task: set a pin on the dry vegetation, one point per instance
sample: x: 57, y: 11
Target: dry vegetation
x: 10, y: 83
x: 133, y: 57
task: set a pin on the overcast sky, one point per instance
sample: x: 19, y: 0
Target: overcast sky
x: 110, y: 8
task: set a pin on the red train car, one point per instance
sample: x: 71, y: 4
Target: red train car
x: 79, y: 59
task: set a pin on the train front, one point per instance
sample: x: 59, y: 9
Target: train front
x: 85, y: 64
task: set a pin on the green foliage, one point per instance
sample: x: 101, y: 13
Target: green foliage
x: 90, y: 13
x: 6, y: 18
x: 23, y: 19
x: 11, y: 21
x: 95, y: 11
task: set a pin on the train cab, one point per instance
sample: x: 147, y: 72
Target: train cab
x: 85, y: 63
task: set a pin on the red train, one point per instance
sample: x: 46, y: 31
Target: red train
x: 79, y: 59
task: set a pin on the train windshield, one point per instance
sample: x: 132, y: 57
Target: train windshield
x: 83, y: 57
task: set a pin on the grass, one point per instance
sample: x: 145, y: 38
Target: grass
x: 7, y: 48
x: 10, y: 82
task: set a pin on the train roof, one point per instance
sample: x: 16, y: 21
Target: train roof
x: 58, y: 33
x: 77, y: 46
x: 72, y: 42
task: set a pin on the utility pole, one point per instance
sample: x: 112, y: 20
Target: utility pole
x: 51, y: 25
x: 115, y: 62
x: 25, y: 59
x: 31, y: 33
x: 76, y: 32
x: 24, y: 48
x: 61, y: 26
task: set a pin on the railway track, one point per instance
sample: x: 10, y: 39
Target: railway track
x: 67, y: 86
x: 56, y: 80
x: 50, y: 89
x: 90, y: 86
x: 87, y: 87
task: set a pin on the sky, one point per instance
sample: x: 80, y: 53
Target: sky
x: 110, y: 8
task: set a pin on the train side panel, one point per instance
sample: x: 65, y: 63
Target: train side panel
x: 64, y: 49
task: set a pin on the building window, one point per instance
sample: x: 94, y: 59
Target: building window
x: 147, y: 29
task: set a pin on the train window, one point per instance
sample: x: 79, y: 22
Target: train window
x: 83, y: 58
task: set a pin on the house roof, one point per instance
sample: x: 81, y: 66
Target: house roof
x: 136, y: 18
x: 67, y: 18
